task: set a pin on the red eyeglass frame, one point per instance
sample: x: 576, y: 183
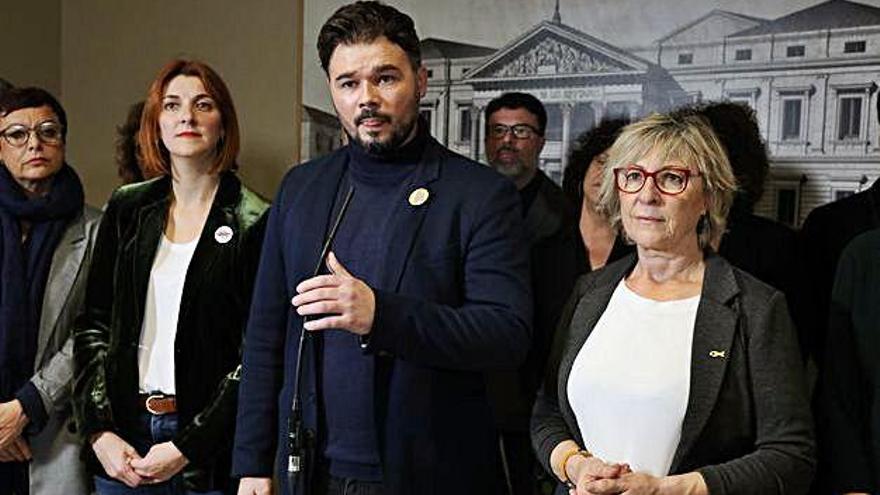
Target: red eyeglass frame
x: 653, y: 175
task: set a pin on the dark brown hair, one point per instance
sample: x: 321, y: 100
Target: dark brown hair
x: 365, y: 22
x: 18, y: 98
x: 736, y: 126
x: 128, y: 166
x: 587, y: 146
x: 515, y: 101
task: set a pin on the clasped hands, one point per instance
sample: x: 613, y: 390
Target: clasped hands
x: 343, y: 301
x: 593, y: 476
x: 13, y: 447
x: 122, y: 462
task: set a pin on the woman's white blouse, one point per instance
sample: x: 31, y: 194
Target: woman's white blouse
x: 630, y: 381
x: 156, y: 349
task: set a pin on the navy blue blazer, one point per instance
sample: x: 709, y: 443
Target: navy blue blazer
x: 461, y: 305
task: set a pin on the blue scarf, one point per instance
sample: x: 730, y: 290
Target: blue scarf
x: 24, y: 267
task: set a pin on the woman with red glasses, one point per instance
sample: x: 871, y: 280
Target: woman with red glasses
x: 673, y: 372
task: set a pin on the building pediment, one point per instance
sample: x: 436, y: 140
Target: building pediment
x: 552, y: 49
x: 714, y: 26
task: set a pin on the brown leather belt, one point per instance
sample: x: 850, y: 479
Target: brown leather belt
x: 158, y: 404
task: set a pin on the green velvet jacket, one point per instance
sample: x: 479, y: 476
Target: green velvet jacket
x: 213, y: 311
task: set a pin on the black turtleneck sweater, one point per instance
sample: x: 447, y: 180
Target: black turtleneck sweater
x: 382, y: 185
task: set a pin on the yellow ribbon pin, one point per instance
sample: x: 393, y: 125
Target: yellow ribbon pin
x: 716, y: 354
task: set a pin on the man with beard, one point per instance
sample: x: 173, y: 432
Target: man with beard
x: 515, y: 124
x: 425, y: 289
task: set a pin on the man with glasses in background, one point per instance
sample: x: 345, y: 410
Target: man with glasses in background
x: 515, y: 124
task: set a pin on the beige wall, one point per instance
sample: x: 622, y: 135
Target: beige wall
x: 31, y: 39
x: 111, y: 50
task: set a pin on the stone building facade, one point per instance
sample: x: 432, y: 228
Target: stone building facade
x: 811, y: 77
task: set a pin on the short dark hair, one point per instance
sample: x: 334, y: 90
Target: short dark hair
x: 365, y: 22
x: 587, y: 146
x: 736, y: 126
x: 514, y: 101
x: 33, y: 97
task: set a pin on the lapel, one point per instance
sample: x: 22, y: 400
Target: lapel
x: 314, y: 215
x: 208, y: 249
x: 541, y: 220
x: 149, y: 224
x: 405, y: 226
x: 66, y: 262
x: 715, y: 328
x: 408, y: 219
x: 714, y: 331
x: 312, y: 218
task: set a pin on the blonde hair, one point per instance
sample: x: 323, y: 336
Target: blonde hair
x: 685, y: 138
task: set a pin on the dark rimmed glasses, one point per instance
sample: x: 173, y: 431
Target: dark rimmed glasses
x: 669, y: 180
x: 519, y: 131
x: 49, y: 132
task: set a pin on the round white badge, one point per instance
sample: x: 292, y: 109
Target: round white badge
x: 223, y: 234
x: 419, y: 196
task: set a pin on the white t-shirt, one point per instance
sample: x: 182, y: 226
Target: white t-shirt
x: 156, y: 349
x: 630, y: 381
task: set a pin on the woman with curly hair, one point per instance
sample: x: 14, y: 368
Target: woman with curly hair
x: 581, y: 183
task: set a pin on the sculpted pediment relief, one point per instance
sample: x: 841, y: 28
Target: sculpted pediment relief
x: 553, y: 56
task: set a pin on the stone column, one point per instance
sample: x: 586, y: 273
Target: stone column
x: 598, y: 112
x: 476, y: 112
x: 481, y: 130
x: 566, y: 108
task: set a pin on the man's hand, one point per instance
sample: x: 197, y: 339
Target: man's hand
x: 348, y: 302
x: 255, y: 486
x: 17, y: 451
x: 12, y: 422
x: 163, y: 461
x: 114, y: 453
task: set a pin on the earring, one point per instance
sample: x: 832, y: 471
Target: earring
x: 703, y: 224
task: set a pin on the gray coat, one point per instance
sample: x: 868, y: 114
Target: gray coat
x: 747, y: 427
x: 57, y: 468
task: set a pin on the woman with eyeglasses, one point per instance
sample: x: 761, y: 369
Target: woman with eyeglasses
x: 158, y: 347
x: 673, y: 372
x: 46, y: 238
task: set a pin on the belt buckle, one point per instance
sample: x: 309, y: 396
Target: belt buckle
x: 149, y: 408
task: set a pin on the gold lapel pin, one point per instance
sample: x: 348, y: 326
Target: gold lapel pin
x: 717, y: 354
x: 419, y: 196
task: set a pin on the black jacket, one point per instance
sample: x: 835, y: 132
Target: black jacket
x: 557, y: 260
x: 826, y: 231
x: 457, y: 303
x: 849, y: 396
x: 747, y: 428
x: 214, y: 305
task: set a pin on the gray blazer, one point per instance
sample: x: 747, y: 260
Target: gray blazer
x: 747, y: 427
x: 57, y: 468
